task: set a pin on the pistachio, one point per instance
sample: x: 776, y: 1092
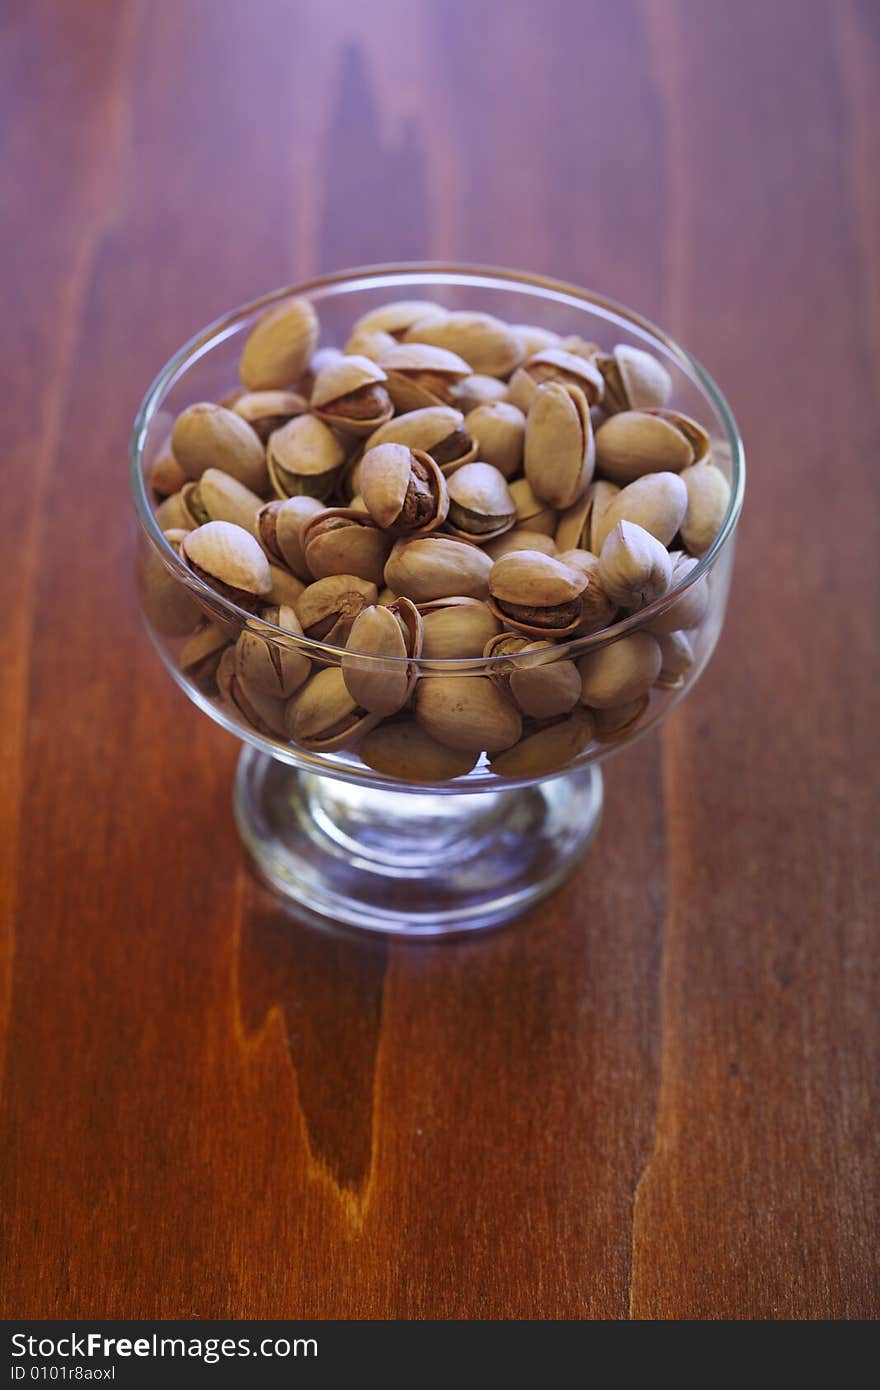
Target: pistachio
x: 480, y: 504
x: 490, y: 346
x: 322, y: 716
x: 559, y: 449
x: 689, y: 610
x: 264, y: 713
x: 456, y: 628
x: 656, y: 502
x: 520, y: 539
x: 634, y: 568
x: 386, y: 597
x: 168, y: 605
x: 229, y: 559
x: 342, y: 540
x: 286, y: 587
x: 349, y: 394
x: 633, y: 379
x: 402, y: 749
x: 621, y: 672
x: 200, y: 656
x: 437, y: 430
x: 499, y: 430
x: 547, y: 747
x: 403, y: 489
x: 172, y: 515
x: 217, y: 496
x: 678, y: 658
x: 327, y: 609
x: 210, y: 436
x: 597, y: 609
x: 395, y: 318
x: 264, y: 663
x: 468, y: 713
x: 478, y: 390
x: 432, y: 567
x: 279, y: 346
x: 648, y: 441
x: 366, y: 343
x: 554, y: 364
x: 392, y: 633
x: 618, y: 721
x: 166, y: 474
x: 708, y: 497
x: 543, y: 691
x: 534, y: 593
x: 531, y: 513
x: 420, y: 375
x: 580, y: 525
x: 267, y: 411
x: 533, y: 338
x: 577, y: 346
x: 305, y: 458
x: 280, y: 527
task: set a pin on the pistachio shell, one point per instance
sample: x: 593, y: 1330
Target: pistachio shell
x: 172, y: 514
x: 280, y: 527
x: 262, y: 712
x: 279, y: 346
x: 403, y: 489
x: 634, y: 568
x: 199, y: 657
x: 555, y: 364
x: 520, y: 539
x: 620, y: 672
x: 708, y: 497
x: 634, y: 379
x: 619, y: 721
x: 364, y: 343
x: 210, y: 436
x: 420, y: 375
x: 341, y: 540
x: 323, y: 717
x: 455, y: 629
x: 559, y: 449
x: 395, y: 318
x: 648, y: 441
x: 349, y: 394
x: 533, y: 338
x: 168, y: 605
x: 499, y: 431
x: 286, y: 588
x: 534, y: 593
x: 480, y: 504
x: 267, y: 411
x: 378, y: 633
x: 597, y: 609
x: 432, y: 567
x: 531, y: 513
x: 166, y: 474
x: 218, y: 496
x: 265, y: 664
x: 229, y: 559
x: 476, y: 390
x: 467, y: 713
x: 690, y: 609
x: 656, y: 502
x: 304, y: 458
x: 327, y: 609
x: 490, y: 346
x: 678, y: 658
x: 548, y: 691
x: 548, y: 748
x: 403, y: 749
x: 437, y: 430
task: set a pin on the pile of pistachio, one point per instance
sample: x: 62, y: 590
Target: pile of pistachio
x: 446, y: 486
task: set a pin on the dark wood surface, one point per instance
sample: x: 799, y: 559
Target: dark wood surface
x: 656, y: 1096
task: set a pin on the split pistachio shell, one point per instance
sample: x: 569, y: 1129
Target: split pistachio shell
x: 468, y: 713
x: 327, y: 609
x: 520, y: 539
x: 648, y: 441
x: 499, y: 430
x: 559, y: 449
x: 305, y: 458
x: 597, y: 609
x: 286, y: 587
x: 280, y: 527
x: 167, y: 603
x: 403, y: 749
x: 390, y: 633
x: 542, y: 691
x: 456, y: 628
x: 395, y: 318
x: 634, y: 568
x: 264, y: 664
x: 229, y: 559
x: 420, y: 375
x: 708, y: 497
x: 491, y: 347
x: 622, y: 671
x: 279, y: 346
x: 547, y: 748
x: 633, y: 378
x: 432, y: 567
x: 267, y: 411
x: 403, y: 489
x: 534, y: 593
x: 172, y: 514
x: 477, y: 390
x: 263, y: 712
x: 689, y: 610
x: 678, y: 658
x: 210, y: 436
x: 349, y: 393
x: 533, y: 338
x: 322, y: 716
x: 437, y: 430
x: 618, y: 721
x: 480, y: 504
x: 218, y: 496
x: 341, y: 540
x: 555, y: 364
x: 531, y: 513
x: 656, y: 502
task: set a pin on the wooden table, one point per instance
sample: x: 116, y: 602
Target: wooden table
x: 651, y: 1099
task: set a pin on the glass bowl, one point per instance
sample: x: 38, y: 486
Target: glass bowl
x: 444, y: 841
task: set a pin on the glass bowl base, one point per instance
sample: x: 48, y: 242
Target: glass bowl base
x: 411, y: 864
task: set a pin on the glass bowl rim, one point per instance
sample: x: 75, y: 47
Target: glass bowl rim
x: 400, y: 274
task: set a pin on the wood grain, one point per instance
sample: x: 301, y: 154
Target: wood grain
x: 654, y: 1097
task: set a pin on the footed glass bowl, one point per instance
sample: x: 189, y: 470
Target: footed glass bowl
x: 394, y: 831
